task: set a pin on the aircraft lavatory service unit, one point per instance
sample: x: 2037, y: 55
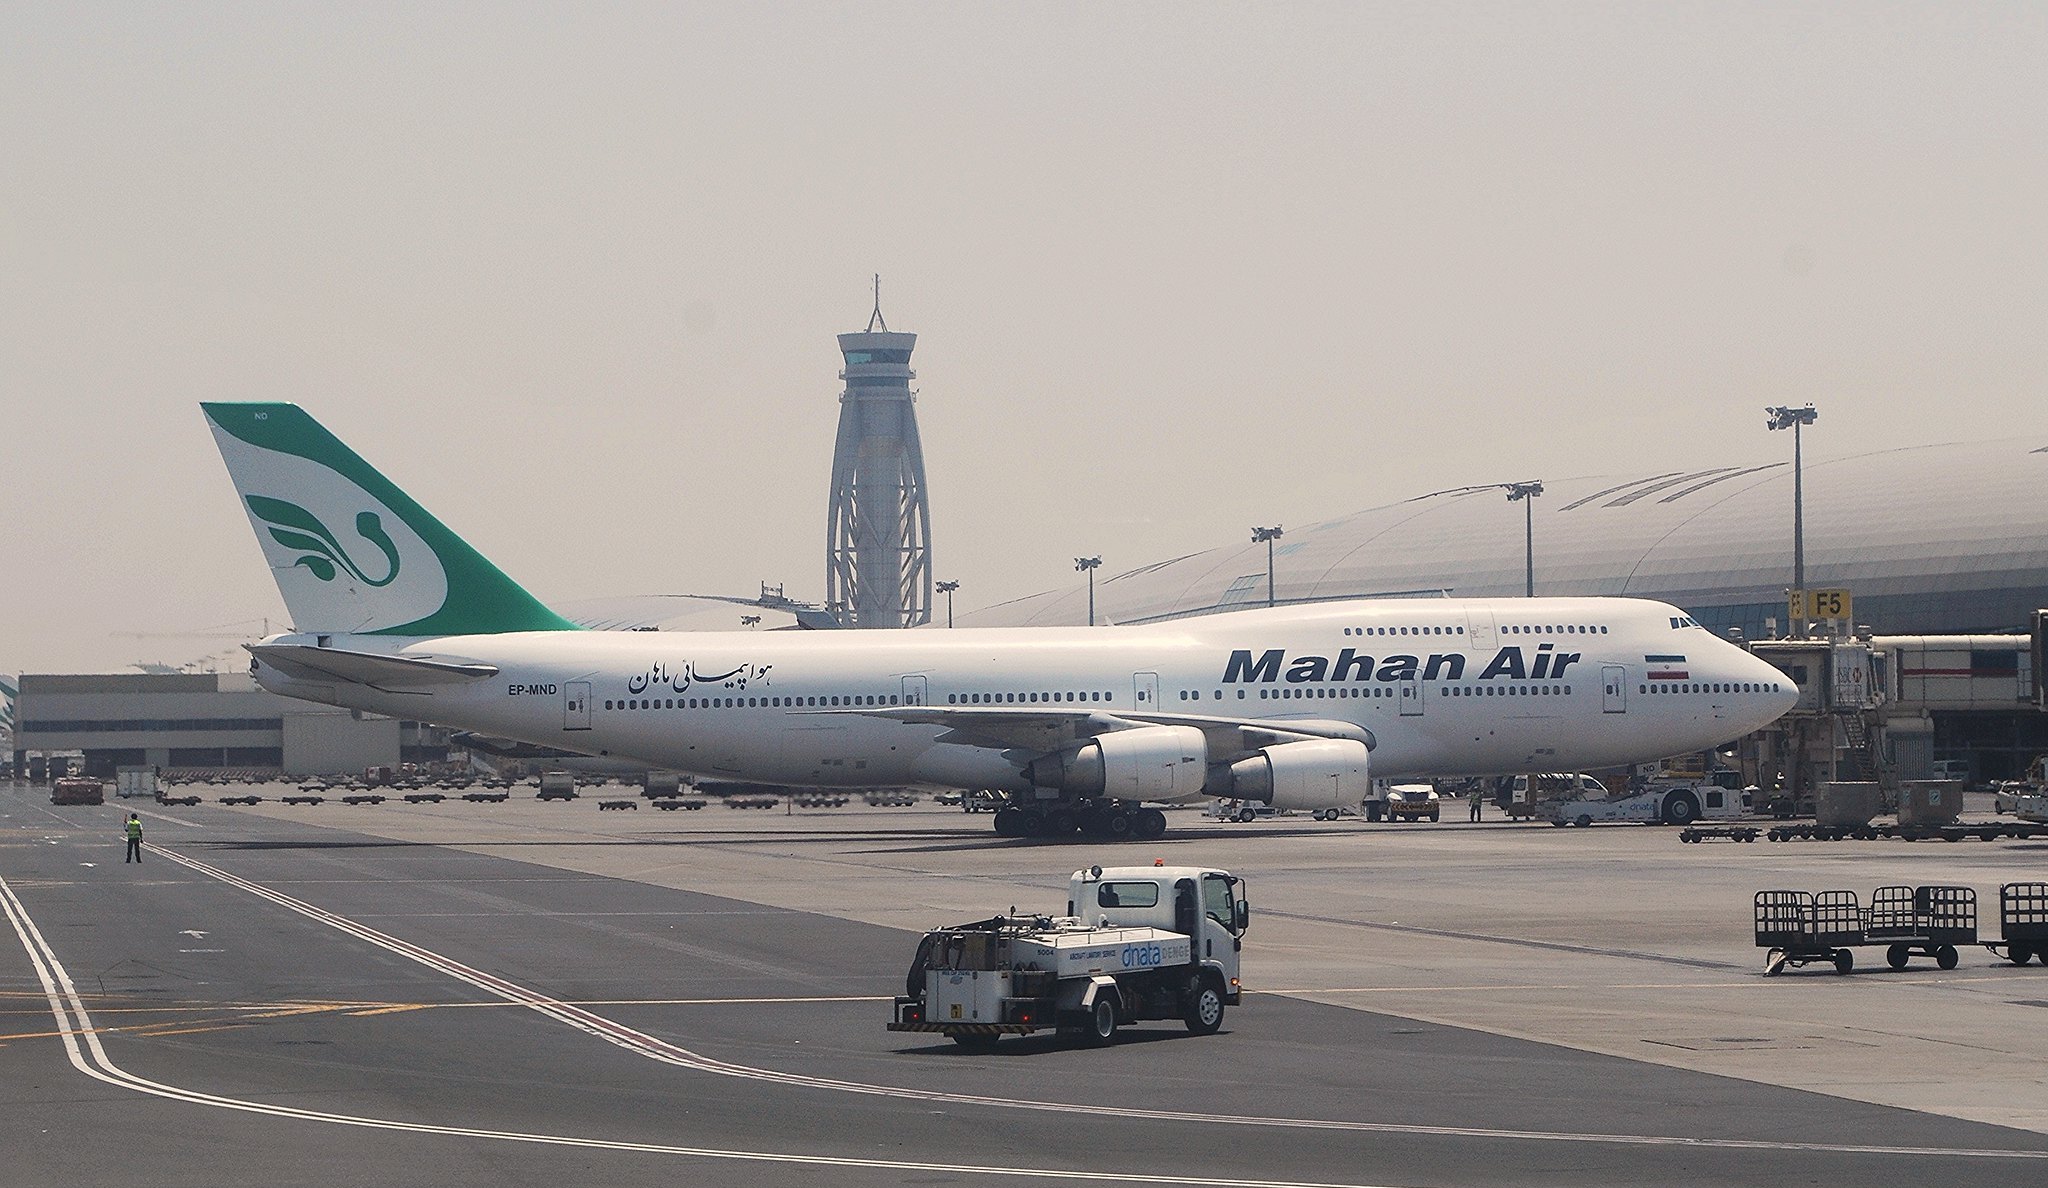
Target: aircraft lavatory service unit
x: 1084, y: 728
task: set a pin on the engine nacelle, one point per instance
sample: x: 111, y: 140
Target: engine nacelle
x: 1149, y: 763
x: 1319, y: 773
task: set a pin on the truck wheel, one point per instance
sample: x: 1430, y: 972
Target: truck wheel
x: 1582, y: 821
x: 1844, y: 961
x: 1945, y: 956
x: 1205, y: 1008
x: 1101, y: 1025
x: 1681, y: 809
x: 2018, y: 954
x: 1896, y: 956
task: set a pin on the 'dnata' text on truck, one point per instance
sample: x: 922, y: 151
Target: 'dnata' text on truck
x: 1136, y: 943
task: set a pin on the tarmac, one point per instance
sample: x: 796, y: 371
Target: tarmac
x: 540, y: 994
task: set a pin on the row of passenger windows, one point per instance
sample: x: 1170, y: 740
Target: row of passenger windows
x: 1023, y: 698
x: 1709, y: 687
x: 1502, y: 690
x: 1510, y: 629
x: 645, y: 703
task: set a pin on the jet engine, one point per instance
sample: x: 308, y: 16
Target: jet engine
x: 1316, y: 773
x: 1149, y: 763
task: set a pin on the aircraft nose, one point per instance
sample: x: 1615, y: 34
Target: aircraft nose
x: 1779, y: 692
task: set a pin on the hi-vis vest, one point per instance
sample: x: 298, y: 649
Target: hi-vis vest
x: 134, y: 829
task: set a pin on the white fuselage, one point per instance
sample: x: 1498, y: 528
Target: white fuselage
x: 1446, y: 687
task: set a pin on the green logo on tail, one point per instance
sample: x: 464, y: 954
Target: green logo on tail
x: 296, y: 528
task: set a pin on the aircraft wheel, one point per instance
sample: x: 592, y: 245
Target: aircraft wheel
x: 1060, y: 822
x: 1148, y: 824
x: 1031, y: 823
x: 1116, y: 825
x: 1009, y: 822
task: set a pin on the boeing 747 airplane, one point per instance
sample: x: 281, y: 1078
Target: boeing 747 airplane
x: 1085, y: 728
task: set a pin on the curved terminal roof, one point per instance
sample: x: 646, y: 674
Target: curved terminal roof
x: 1929, y: 539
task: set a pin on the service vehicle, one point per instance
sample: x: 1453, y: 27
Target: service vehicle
x: 2007, y: 794
x: 1413, y: 802
x: 136, y: 781
x: 557, y: 785
x: 1526, y: 791
x: 78, y: 790
x: 1136, y: 943
x: 1663, y: 802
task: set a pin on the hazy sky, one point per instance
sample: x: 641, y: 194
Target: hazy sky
x: 570, y: 274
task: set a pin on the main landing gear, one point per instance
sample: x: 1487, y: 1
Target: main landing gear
x: 1111, y: 821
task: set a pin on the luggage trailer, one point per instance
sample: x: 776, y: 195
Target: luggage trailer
x: 1803, y: 927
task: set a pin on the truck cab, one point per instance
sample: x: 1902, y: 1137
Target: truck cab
x: 1207, y: 906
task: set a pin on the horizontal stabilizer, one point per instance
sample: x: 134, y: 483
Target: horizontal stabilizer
x: 368, y: 668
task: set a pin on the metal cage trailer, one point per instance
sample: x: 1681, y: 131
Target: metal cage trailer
x: 1801, y: 927
x: 2023, y: 921
x: 1137, y: 943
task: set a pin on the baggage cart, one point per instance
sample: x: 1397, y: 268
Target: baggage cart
x: 2022, y: 922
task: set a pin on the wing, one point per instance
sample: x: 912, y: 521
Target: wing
x: 377, y: 670
x: 1046, y: 728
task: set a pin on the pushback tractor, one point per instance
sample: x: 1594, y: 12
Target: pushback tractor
x: 1136, y: 943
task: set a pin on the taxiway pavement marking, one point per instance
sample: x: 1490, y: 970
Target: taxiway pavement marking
x: 618, y: 1034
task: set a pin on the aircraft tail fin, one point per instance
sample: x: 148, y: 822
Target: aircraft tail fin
x: 350, y: 551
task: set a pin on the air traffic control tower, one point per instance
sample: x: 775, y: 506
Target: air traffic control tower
x: 878, y: 546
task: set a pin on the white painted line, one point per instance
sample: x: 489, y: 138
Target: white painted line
x: 661, y: 1050
x: 74, y: 1025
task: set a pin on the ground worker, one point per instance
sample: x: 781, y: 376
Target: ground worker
x: 134, y: 840
x: 1474, y: 797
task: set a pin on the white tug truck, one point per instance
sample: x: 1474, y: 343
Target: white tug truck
x: 1136, y: 943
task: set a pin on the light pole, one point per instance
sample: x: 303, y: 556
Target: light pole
x: 1088, y: 566
x: 947, y: 589
x: 1267, y: 536
x: 1787, y: 417
x: 1525, y: 494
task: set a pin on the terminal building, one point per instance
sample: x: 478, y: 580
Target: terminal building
x: 1944, y: 549
x: 200, y: 722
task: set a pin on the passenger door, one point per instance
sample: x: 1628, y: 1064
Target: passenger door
x: 913, y: 690
x: 576, y: 705
x: 1614, y: 689
x: 1145, y: 690
x: 1411, y: 697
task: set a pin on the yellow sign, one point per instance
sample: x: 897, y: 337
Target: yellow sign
x: 1819, y: 604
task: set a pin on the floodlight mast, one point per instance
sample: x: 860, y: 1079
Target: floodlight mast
x: 1525, y: 494
x: 1267, y: 536
x: 1787, y: 417
x: 1089, y: 565
x: 947, y: 589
